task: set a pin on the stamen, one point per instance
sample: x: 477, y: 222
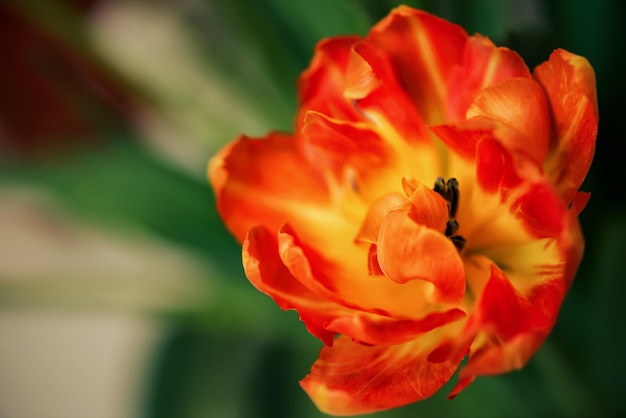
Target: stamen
x: 440, y: 186
x: 458, y: 241
x: 453, y: 196
x: 449, y: 190
x: 451, y: 226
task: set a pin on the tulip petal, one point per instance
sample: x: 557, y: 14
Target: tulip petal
x: 280, y: 268
x: 428, y: 208
x: 541, y: 209
x: 508, y: 329
x: 372, y: 83
x: 373, y: 86
x: 374, y: 329
x: 423, y: 50
x: 267, y: 181
x: 516, y: 311
x: 268, y: 273
x: 345, y: 144
x: 397, y: 318
x: 526, y: 193
x: 483, y: 65
x: 376, y: 214
x: 463, y: 137
x: 569, y: 82
x: 263, y: 181
x: 322, y: 85
x: 409, y: 251
x: 521, y: 104
x: 351, y: 379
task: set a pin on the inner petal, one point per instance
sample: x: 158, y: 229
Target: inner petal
x: 408, y: 251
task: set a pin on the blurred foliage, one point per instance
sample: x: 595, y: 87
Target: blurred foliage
x: 240, y: 356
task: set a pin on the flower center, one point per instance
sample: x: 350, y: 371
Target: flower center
x: 449, y: 190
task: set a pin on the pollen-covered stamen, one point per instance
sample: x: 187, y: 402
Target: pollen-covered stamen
x: 449, y: 190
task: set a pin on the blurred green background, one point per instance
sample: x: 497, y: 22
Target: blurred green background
x: 121, y: 293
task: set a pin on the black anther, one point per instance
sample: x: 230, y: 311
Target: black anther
x: 440, y: 186
x: 452, y: 189
x: 458, y: 241
x: 451, y: 227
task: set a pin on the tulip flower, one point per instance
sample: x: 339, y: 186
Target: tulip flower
x: 424, y: 210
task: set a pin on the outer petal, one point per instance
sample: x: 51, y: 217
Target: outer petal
x: 351, y: 379
x: 423, y: 50
x: 569, y: 82
x: 267, y: 181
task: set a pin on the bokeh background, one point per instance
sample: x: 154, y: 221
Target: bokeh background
x: 121, y: 293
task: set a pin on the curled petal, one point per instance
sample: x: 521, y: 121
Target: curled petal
x: 267, y: 272
x: 372, y: 83
x: 521, y: 104
x: 410, y: 251
x: 463, y: 137
x: 374, y: 329
x: 281, y: 269
x: 351, y: 379
x: 277, y: 267
x: 321, y: 86
x: 428, y: 208
x: 483, y: 65
x: 375, y: 215
x: 361, y: 79
x: 380, y: 303
x: 569, y: 82
x: 344, y: 144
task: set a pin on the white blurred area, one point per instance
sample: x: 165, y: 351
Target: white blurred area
x: 79, y: 306
x: 74, y: 365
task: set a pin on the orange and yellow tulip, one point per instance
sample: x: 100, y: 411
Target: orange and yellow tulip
x: 424, y: 210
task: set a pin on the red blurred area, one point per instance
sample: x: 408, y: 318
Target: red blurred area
x: 54, y: 90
